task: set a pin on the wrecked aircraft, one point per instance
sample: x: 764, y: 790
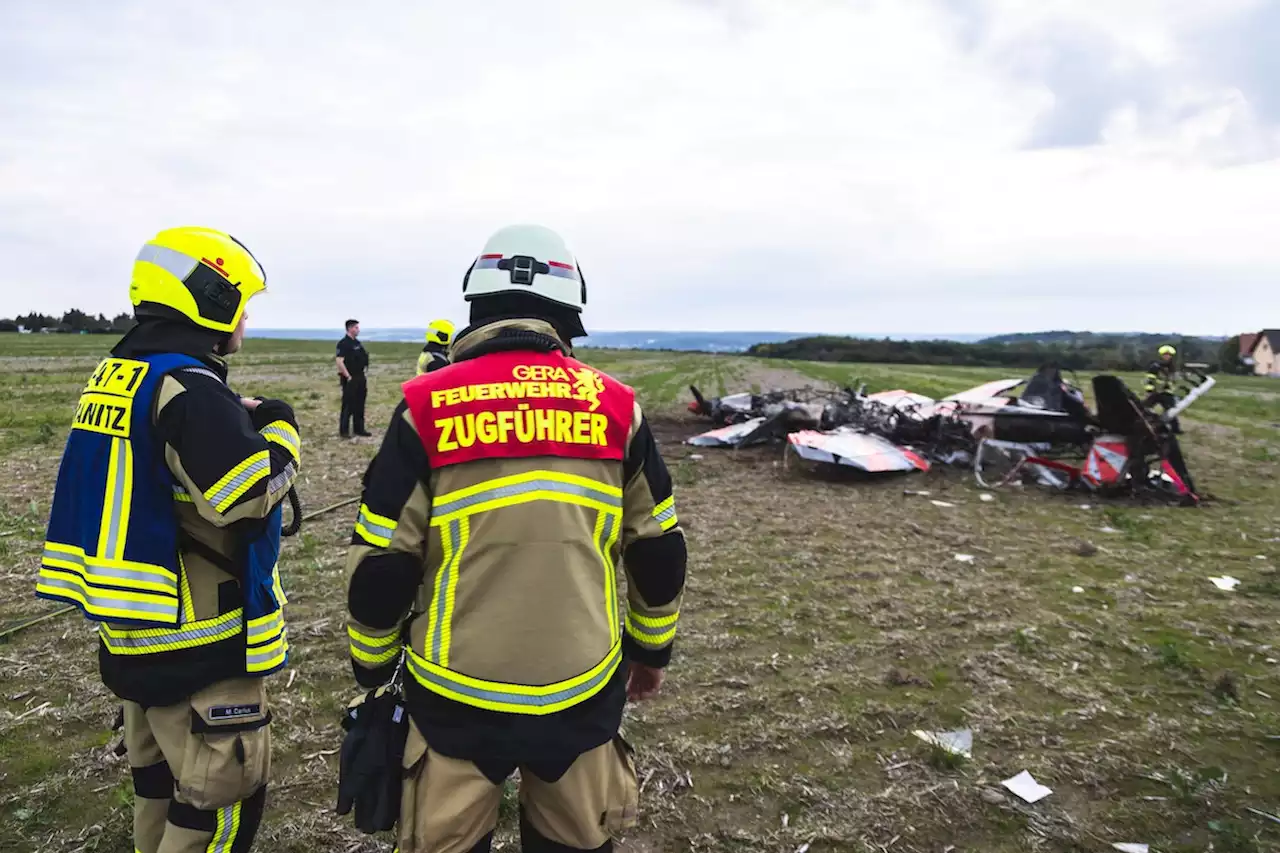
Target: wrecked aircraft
x: 1125, y: 448
x: 1030, y: 425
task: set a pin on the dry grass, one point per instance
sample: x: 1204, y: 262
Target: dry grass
x: 824, y: 621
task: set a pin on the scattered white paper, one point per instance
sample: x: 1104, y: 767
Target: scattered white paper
x: 1131, y: 848
x: 959, y: 742
x: 696, y: 457
x: 920, y: 493
x: 1077, y: 589
x: 964, y: 558
x: 941, y: 503
x: 1260, y: 557
x: 1086, y: 506
x: 986, y: 497
x: 1109, y: 530
x: 1026, y: 787
x: 1225, y: 582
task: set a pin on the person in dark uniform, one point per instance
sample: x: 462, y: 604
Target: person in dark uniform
x: 353, y: 360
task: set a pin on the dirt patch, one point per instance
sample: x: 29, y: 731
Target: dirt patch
x: 823, y: 622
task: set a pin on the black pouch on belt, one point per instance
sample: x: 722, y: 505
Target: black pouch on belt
x: 369, y: 773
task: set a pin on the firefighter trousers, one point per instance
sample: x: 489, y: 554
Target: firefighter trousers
x: 200, y: 769
x: 449, y: 805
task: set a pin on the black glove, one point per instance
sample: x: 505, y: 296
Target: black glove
x: 270, y: 410
x: 369, y: 774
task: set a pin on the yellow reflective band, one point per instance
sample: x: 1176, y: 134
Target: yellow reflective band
x: 452, y: 511
x: 109, y: 589
x: 440, y: 620
x: 268, y: 656
x: 655, y: 621
x: 100, y: 604
x: 280, y: 483
x: 374, y: 651
x: 463, y: 526
x: 278, y: 588
x: 267, y: 642
x: 514, y: 698
x: 239, y: 480
x: 181, y: 495
x: 371, y: 642
x: 652, y: 632
x: 225, y: 830
x: 606, y: 535
x: 121, y: 573
x: 116, y: 501
x: 665, y: 513
x: 146, y: 641
x: 375, y: 529
x: 283, y: 434
x: 372, y: 658
x: 524, y: 488
x: 126, y: 503
x: 266, y: 628
x: 435, y: 616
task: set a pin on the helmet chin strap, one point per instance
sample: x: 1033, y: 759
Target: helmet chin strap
x: 220, y: 348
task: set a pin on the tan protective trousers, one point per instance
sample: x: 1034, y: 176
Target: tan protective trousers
x: 447, y: 805
x: 200, y: 769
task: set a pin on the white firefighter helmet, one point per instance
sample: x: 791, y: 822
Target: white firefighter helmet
x: 527, y: 259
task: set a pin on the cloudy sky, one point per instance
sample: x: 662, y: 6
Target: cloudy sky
x: 902, y: 166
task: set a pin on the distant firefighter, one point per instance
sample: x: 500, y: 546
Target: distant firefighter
x: 435, y: 354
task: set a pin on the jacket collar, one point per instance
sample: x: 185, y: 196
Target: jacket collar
x: 153, y: 337
x: 514, y: 333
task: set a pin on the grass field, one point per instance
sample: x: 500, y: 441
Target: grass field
x: 823, y: 623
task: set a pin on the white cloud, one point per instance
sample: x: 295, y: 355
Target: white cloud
x: 902, y: 163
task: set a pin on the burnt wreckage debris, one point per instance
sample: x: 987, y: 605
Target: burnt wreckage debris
x: 1043, y: 433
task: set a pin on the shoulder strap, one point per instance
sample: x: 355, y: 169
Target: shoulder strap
x: 171, y: 362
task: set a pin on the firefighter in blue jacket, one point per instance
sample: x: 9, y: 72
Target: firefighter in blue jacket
x: 165, y: 530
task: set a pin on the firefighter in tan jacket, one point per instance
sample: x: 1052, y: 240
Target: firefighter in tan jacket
x: 509, y: 488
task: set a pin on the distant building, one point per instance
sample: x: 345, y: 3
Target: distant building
x: 1265, y: 353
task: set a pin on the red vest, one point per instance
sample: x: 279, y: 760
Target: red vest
x: 520, y: 404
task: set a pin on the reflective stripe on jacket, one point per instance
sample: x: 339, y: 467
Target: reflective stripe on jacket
x: 115, y: 541
x: 526, y: 450
x: 112, y: 540
x: 510, y: 495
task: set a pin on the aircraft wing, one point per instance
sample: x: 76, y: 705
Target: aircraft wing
x: 986, y: 391
x: 726, y: 436
x: 855, y: 449
x: 900, y: 399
